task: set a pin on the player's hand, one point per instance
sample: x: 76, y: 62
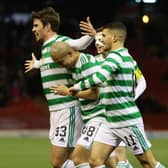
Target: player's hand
x: 87, y: 27
x: 29, y: 64
x: 61, y: 90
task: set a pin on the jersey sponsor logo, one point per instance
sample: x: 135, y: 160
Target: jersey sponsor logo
x: 45, y: 67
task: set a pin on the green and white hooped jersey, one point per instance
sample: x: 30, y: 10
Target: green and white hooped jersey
x: 52, y: 74
x: 117, y: 71
x: 86, y: 66
x: 99, y: 58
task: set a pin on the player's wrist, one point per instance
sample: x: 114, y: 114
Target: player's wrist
x: 74, y: 93
x: 37, y: 64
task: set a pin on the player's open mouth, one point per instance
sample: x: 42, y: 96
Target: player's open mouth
x: 36, y: 35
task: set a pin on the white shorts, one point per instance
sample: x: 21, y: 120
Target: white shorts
x: 88, y: 132
x: 65, y: 127
x: 122, y: 144
x: 133, y: 136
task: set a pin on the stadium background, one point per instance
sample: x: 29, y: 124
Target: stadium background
x: 23, y: 110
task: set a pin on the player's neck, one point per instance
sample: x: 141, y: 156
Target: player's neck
x: 117, y: 46
x: 49, y: 36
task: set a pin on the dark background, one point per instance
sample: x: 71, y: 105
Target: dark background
x: 148, y: 44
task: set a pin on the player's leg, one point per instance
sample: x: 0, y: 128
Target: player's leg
x: 121, y: 157
x: 118, y: 158
x: 80, y: 157
x: 122, y: 160
x: 148, y: 160
x: 65, y: 128
x: 120, y: 153
x: 81, y: 153
x: 146, y: 156
x: 59, y: 155
x: 99, y: 154
x: 135, y: 138
x: 111, y: 162
x: 103, y: 145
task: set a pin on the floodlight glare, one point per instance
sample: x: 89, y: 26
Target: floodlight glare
x: 149, y: 1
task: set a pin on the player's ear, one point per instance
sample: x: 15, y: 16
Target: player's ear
x: 70, y: 53
x: 48, y: 26
x: 114, y: 37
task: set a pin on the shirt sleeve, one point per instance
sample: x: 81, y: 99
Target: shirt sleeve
x: 140, y: 83
x: 108, y: 67
x: 37, y: 64
x: 81, y: 43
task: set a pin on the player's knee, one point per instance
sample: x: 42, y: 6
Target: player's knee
x: 56, y: 163
x: 79, y: 158
x: 76, y: 159
x: 120, y: 151
x: 146, y: 159
x: 95, y: 162
x: 144, y: 162
x: 80, y: 155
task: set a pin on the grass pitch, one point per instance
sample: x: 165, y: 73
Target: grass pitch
x: 26, y: 152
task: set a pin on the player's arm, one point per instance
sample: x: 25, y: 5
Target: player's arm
x: 89, y: 33
x: 81, y: 43
x: 92, y: 93
x: 32, y: 64
x: 108, y: 67
x: 140, y: 83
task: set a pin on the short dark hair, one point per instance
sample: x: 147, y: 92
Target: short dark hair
x: 118, y: 26
x: 48, y: 15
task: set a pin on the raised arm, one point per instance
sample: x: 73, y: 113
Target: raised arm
x: 89, y: 33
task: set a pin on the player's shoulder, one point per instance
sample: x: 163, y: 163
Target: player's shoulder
x: 63, y: 38
x: 114, y: 56
x: 87, y: 58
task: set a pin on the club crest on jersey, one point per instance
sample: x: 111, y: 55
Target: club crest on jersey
x: 45, y: 67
